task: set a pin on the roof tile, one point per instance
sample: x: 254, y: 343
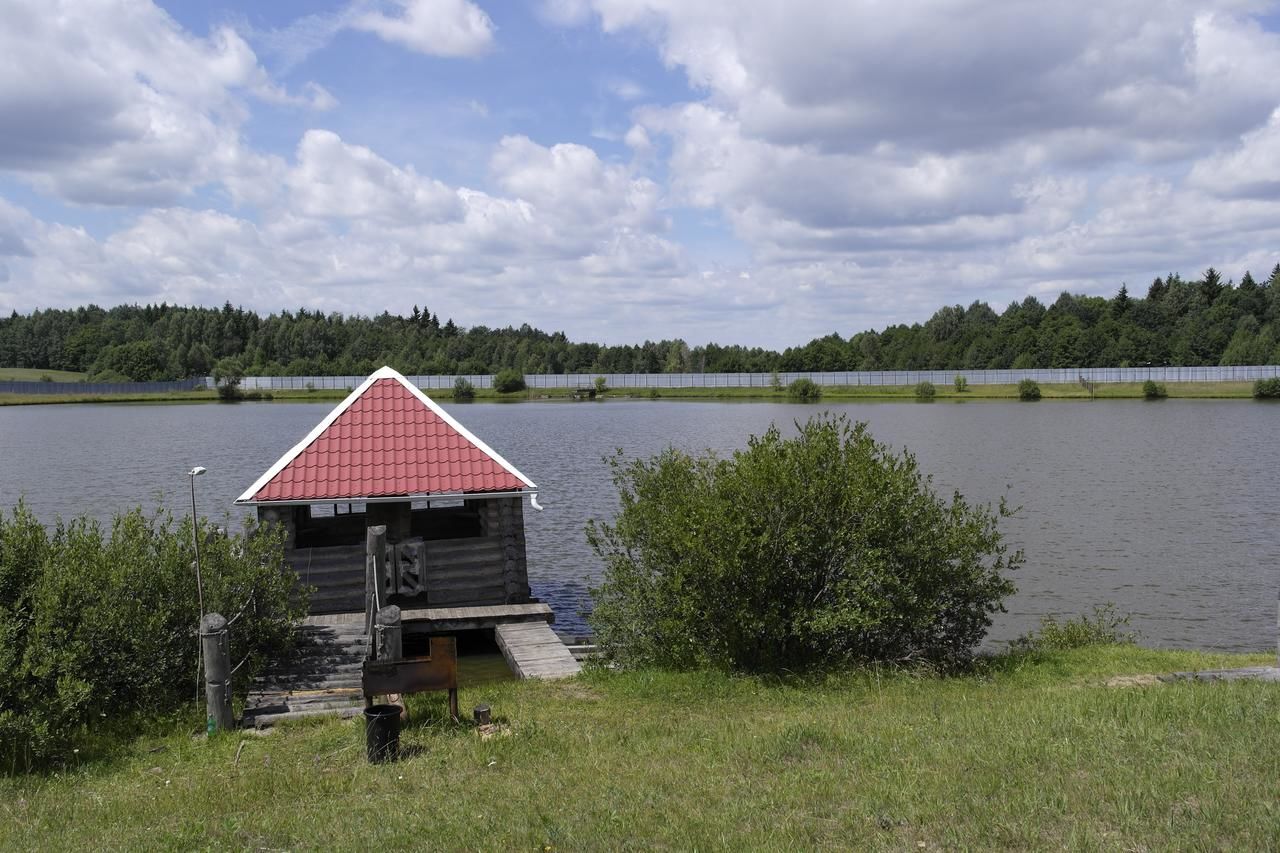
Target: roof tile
x: 388, y: 443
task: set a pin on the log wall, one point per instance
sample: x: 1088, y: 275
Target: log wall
x: 489, y: 569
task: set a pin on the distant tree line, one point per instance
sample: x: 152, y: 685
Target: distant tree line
x: 1208, y: 321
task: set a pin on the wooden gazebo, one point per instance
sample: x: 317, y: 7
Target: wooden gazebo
x: 389, y: 455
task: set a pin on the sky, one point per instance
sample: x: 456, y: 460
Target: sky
x: 758, y: 173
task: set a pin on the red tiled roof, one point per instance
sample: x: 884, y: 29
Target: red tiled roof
x: 387, y: 440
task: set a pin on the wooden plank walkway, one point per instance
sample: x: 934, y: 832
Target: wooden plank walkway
x: 441, y: 620
x: 533, y: 650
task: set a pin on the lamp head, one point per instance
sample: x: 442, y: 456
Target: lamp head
x: 196, y: 471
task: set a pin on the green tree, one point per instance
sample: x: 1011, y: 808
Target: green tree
x: 820, y: 550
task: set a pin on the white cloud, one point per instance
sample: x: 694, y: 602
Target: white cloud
x: 336, y: 180
x: 113, y: 103
x: 434, y: 27
x: 870, y: 155
x: 1249, y: 169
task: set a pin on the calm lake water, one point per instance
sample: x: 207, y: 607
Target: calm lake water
x: 1169, y: 509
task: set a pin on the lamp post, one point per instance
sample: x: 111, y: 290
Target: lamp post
x: 195, y: 536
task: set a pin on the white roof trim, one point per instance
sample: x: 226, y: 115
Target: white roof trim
x: 435, y: 496
x: 380, y: 373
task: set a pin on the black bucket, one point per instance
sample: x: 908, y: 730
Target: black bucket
x: 382, y: 732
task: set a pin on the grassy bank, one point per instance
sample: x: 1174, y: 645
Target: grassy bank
x: 1115, y: 391
x: 1029, y: 754
x: 31, y: 374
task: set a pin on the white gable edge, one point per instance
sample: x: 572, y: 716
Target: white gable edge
x: 447, y: 418
x: 381, y: 373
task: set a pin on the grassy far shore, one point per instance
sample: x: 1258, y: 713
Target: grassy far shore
x: 1111, y: 391
x: 1029, y: 752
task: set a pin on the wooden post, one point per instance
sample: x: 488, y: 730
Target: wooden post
x: 390, y: 641
x: 375, y: 556
x: 375, y: 550
x: 216, y: 647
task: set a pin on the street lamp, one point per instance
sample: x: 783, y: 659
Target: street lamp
x: 195, y: 538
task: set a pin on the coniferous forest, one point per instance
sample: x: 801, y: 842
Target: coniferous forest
x: 1206, y: 321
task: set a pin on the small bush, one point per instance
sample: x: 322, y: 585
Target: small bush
x: 962, y: 385
x: 925, y: 390
x: 1105, y: 627
x: 44, y: 377
x: 311, y: 387
x: 1154, y: 390
x: 653, y: 394
x: 804, y: 390
x: 601, y: 385
x: 508, y: 381
x: 99, y: 624
x: 463, y: 390
x: 1267, y: 389
x: 1028, y: 389
x: 775, y: 382
x: 821, y: 550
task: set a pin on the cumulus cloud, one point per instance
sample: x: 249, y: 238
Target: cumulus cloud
x: 865, y: 153
x: 336, y: 180
x: 433, y: 27
x: 113, y: 103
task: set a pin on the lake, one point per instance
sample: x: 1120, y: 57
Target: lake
x: 1169, y: 509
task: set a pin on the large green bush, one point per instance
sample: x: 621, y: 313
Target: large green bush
x: 1028, y: 389
x: 820, y: 550
x: 1152, y: 390
x: 98, y: 626
x: 463, y: 389
x: 925, y: 390
x: 508, y: 381
x: 805, y: 390
x: 1265, y: 389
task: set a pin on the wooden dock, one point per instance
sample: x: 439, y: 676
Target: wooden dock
x: 533, y: 650
x: 322, y: 677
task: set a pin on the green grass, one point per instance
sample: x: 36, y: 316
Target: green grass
x: 1031, y: 753
x: 26, y: 374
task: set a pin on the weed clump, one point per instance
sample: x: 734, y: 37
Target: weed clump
x: 1105, y: 627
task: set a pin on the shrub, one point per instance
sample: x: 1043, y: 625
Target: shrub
x: 1104, y: 627
x: 463, y: 390
x: 1154, y: 390
x: 823, y: 549
x: 775, y: 382
x: 925, y: 390
x: 228, y: 373
x: 962, y: 384
x: 508, y: 381
x: 44, y: 377
x: 1028, y: 389
x: 100, y: 624
x: 1265, y: 389
x: 805, y: 390
x: 601, y: 385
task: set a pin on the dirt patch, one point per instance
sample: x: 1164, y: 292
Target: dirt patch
x: 1133, y: 681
